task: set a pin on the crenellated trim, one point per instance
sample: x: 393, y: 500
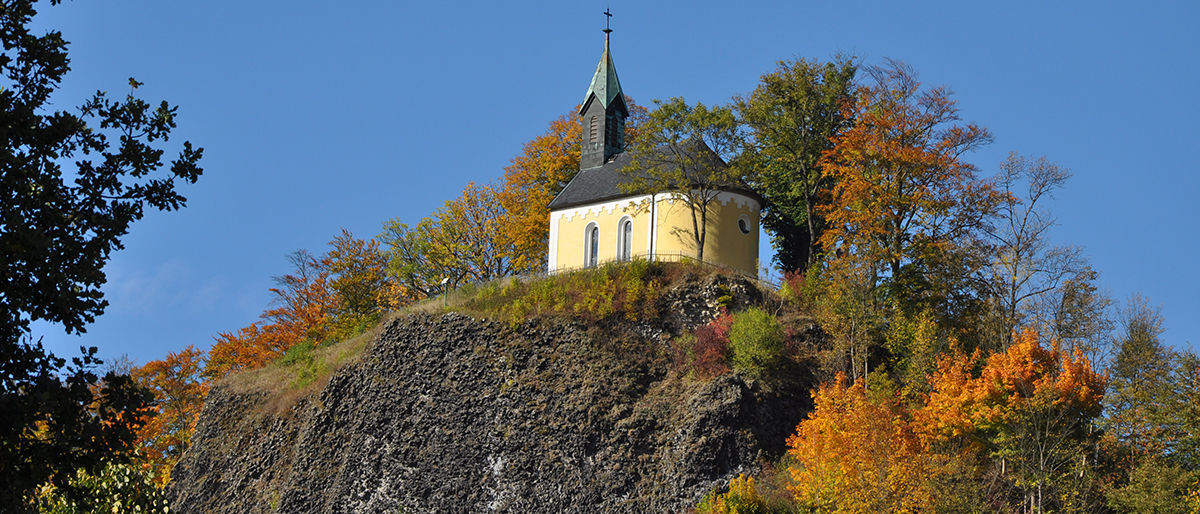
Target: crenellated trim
x: 594, y: 210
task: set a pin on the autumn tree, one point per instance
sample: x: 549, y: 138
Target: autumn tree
x: 683, y: 150
x: 325, y: 299
x: 902, y: 195
x: 359, y: 283
x: 544, y: 167
x: 854, y: 454
x: 179, y: 393
x: 1029, y: 409
x: 792, y: 117
x: 303, y: 306
x: 461, y: 242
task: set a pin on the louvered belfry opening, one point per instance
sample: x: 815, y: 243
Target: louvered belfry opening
x: 603, y: 103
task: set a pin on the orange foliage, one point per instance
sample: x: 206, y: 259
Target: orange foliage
x: 304, y: 303
x: 249, y: 348
x: 856, y: 455
x: 179, y: 393
x: 901, y: 191
x: 1027, y: 376
x: 542, y: 170
x: 326, y: 298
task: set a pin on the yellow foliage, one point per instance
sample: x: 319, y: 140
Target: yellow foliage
x: 854, y: 455
x: 742, y: 498
x: 1193, y: 498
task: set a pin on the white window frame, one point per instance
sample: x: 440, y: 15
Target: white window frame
x: 591, y: 246
x: 624, y: 245
x: 749, y: 225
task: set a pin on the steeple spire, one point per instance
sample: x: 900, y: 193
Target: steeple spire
x: 603, y: 111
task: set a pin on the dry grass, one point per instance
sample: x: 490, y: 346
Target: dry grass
x: 278, y: 378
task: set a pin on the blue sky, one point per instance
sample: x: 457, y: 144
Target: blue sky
x: 317, y: 116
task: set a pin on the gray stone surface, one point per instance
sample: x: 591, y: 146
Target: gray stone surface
x: 451, y: 414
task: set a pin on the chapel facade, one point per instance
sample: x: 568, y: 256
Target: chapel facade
x: 592, y: 221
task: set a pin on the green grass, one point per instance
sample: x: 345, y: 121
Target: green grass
x: 615, y: 291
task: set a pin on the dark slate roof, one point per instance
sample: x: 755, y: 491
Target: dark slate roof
x: 603, y: 183
x: 595, y: 184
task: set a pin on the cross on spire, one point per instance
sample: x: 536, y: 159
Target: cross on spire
x: 608, y: 18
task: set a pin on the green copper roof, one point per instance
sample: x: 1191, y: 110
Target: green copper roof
x: 605, y: 85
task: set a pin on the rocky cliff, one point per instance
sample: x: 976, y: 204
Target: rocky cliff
x: 448, y: 413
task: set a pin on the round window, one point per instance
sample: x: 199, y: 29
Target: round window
x: 744, y: 224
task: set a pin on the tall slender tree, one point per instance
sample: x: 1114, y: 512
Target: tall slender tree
x: 1026, y: 267
x: 792, y: 117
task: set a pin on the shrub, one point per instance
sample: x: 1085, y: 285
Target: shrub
x: 705, y: 352
x: 742, y: 498
x: 755, y: 342
x: 616, y: 290
x: 306, y: 367
x: 114, y: 488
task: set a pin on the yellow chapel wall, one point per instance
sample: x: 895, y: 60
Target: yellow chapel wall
x: 670, y: 222
x: 568, y: 231
x: 724, y: 242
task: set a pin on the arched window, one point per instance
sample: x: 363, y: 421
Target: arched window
x: 591, y: 246
x: 625, y: 239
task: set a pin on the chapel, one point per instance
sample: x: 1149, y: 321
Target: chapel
x: 592, y: 221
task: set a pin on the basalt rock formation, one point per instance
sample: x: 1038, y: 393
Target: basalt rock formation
x: 448, y: 413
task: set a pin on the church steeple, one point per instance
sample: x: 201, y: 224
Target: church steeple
x: 603, y: 112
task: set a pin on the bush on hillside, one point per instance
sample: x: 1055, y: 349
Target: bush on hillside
x: 756, y: 342
x: 628, y: 290
x: 705, y: 353
x: 301, y: 361
x: 742, y: 498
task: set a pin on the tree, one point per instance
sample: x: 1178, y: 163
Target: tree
x: 461, y: 242
x: 1076, y: 314
x: 1025, y: 266
x: 902, y: 196
x: 359, y: 282
x: 1138, y: 407
x: 414, y: 260
x: 854, y: 454
x: 326, y: 299
x: 113, y: 488
x: 1030, y: 409
x: 55, y: 238
x: 683, y: 150
x: 544, y: 167
x: 793, y: 115
x: 303, y: 310
x: 1155, y: 487
x: 304, y: 302
x: 179, y: 393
